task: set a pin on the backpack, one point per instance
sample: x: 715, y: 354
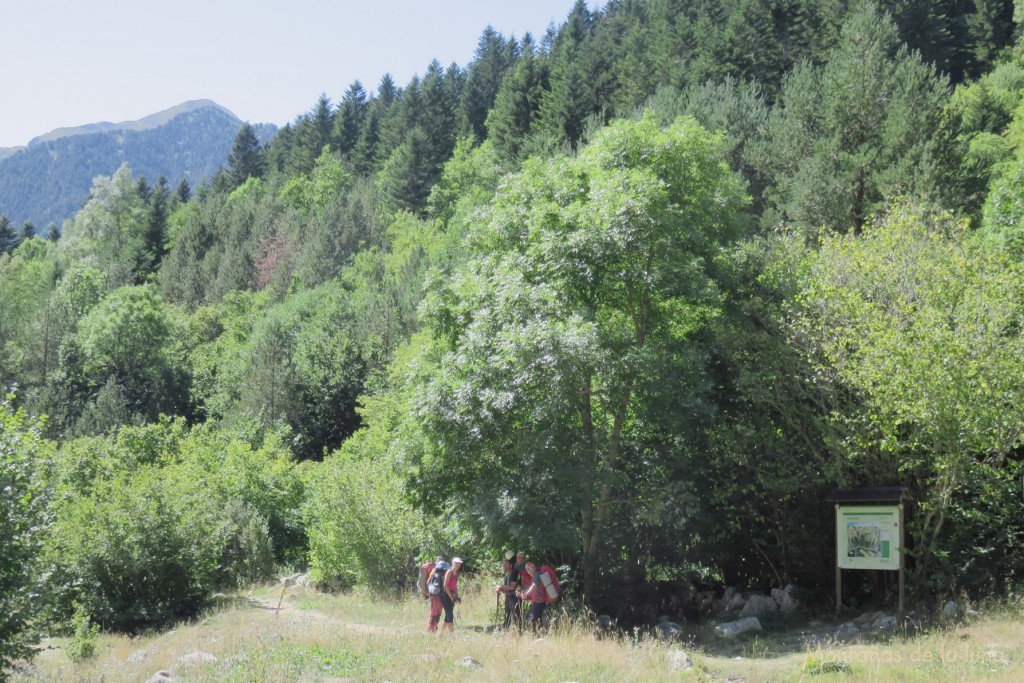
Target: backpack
x: 549, y: 582
x: 422, y: 575
x: 436, y: 582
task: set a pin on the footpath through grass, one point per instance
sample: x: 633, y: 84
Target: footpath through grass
x: 359, y: 637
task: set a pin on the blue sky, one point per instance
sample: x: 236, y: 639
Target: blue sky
x: 72, y: 62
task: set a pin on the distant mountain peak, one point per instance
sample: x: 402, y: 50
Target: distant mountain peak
x: 146, y: 123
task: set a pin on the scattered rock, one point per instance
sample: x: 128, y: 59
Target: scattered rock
x: 162, y: 677
x: 759, y: 606
x: 785, y: 600
x: 196, y: 659
x: 668, y: 630
x: 735, y: 628
x: 288, y: 581
x: 469, y: 662
x: 847, y: 632
x: 678, y: 660
x: 883, y: 624
x: 735, y: 602
x: 867, y: 618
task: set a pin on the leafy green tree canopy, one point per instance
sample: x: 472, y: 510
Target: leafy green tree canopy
x: 585, y: 284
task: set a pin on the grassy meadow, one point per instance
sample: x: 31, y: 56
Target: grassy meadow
x: 362, y: 637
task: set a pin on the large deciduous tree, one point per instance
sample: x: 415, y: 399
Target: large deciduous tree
x: 562, y: 350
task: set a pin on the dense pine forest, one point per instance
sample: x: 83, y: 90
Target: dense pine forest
x: 632, y: 296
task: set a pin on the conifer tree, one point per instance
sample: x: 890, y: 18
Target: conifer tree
x: 350, y: 118
x: 246, y: 159
x: 408, y: 174
x: 183, y: 192
x: 154, y: 248
x: 855, y: 132
x: 517, y: 105
x: 491, y: 61
x: 8, y: 239
x: 566, y: 105
x: 312, y: 133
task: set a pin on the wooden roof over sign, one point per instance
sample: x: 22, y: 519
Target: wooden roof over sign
x: 870, y: 494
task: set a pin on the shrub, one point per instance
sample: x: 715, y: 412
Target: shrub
x: 138, y: 551
x: 23, y: 453
x: 248, y: 552
x: 361, y: 529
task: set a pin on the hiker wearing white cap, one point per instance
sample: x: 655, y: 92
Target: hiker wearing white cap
x: 450, y: 596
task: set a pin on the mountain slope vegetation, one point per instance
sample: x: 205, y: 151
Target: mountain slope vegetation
x: 632, y: 296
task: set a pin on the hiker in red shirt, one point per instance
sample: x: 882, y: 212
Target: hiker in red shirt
x: 536, y: 595
x: 423, y: 584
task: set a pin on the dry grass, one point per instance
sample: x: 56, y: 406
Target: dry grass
x: 358, y: 637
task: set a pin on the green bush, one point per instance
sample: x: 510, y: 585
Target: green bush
x: 23, y: 453
x: 83, y: 639
x: 152, y: 519
x: 249, y: 552
x: 138, y: 551
x: 361, y: 530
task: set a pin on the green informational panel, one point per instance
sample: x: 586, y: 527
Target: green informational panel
x: 868, y: 536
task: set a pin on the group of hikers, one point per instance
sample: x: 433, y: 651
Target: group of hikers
x: 523, y: 581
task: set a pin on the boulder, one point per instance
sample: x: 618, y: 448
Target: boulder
x: 668, y: 630
x: 678, y: 660
x: 196, y: 659
x: 783, y: 597
x: 735, y: 602
x: 604, y: 622
x: 949, y: 610
x: 883, y: 624
x: 846, y: 632
x: 469, y: 662
x: 867, y: 618
x: 759, y: 606
x: 162, y: 677
x: 734, y: 628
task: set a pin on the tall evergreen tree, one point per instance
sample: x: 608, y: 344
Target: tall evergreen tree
x: 313, y: 132
x: 8, y: 238
x: 855, y: 132
x: 367, y: 153
x: 154, y: 248
x: 184, y: 191
x: 517, y: 105
x: 409, y: 173
x: 491, y: 61
x: 246, y: 159
x: 566, y: 106
x: 350, y: 118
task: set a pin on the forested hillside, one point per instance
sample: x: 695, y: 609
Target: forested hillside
x: 632, y: 296
x: 47, y: 182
